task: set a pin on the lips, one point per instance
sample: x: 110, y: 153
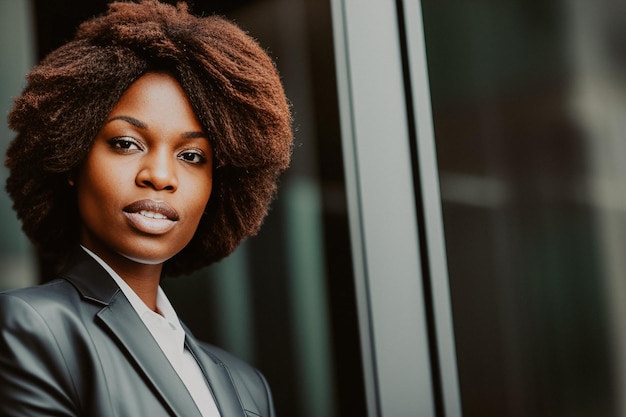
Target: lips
x: 151, y: 217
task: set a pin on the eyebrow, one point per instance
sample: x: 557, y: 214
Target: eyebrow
x: 141, y: 125
x: 195, y: 135
x: 137, y: 123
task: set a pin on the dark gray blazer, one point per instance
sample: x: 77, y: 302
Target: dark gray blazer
x: 76, y: 347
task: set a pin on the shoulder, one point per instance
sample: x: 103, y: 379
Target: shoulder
x: 48, y: 291
x: 249, y: 381
x: 57, y: 289
x: 53, y: 305
x: 34, y: 310
x: 36, y: 346
x: 39, y: 298
x: 229, y: 360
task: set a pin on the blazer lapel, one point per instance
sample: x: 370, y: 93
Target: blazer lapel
x: 219, y: 380
x: 127, y: 327
x: 118, y: 315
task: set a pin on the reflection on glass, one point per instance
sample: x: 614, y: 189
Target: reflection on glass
x: 529, y: 102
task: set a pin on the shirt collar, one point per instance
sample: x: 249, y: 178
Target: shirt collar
x: 163, y: 303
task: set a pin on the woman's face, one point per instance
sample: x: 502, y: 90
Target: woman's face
x: 148, y: 177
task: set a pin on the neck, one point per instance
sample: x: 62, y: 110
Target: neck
x: 145, y: 284
x: 142, y: 279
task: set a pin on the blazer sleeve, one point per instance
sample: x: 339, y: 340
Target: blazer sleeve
x: 34, y: 377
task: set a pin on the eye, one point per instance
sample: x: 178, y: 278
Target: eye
x: 194, y: 156
x: 124, y: 144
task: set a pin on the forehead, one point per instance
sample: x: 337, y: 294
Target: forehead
x: 157, y: 99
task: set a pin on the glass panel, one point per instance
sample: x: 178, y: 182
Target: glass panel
x: 285, y: 299
x: 17, y: 262
x: 528, y: 105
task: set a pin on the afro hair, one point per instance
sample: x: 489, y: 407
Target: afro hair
x: 234, y: 89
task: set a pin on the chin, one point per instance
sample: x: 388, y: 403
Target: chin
x: 148, y: 258
x: 150, y: 253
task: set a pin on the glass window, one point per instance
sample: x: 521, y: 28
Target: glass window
x: 528, y: 103
x: 17, y: 55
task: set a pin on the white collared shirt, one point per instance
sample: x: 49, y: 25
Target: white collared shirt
x: 170, y: 336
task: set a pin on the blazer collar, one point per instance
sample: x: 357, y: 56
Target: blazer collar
x: 91, y: 280
x: 135, y: 339
x: 119, y: 317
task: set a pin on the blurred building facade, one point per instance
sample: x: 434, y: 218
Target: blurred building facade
x: 449, y: 240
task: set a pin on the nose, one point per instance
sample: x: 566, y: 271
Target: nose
x: 157, y: 171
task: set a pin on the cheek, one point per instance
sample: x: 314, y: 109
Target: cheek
x: 97, y: 188
x: 200, y: 201
x: 200, y: 193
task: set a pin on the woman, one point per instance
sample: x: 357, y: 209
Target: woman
x: 150, y: 144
